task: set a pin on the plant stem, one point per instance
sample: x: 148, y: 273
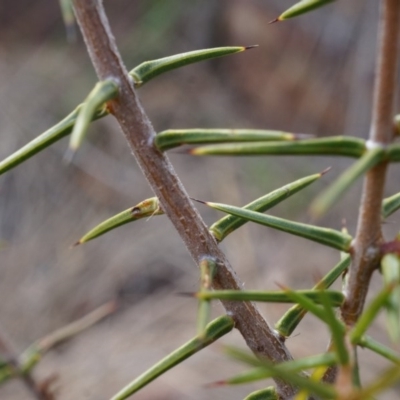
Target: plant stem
x: 167, y: 187
x: 366, y: 252
x: 7, y: 351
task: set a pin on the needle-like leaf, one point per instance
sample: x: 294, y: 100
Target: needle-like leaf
x: 328, y: 237
x: 176, y: 137
x: 334, y: 146
x: 286, y: 370
x: 384, y: 381
x: 226, y: 225
x: 97, y: 98
x: 393, y: 152
x: 207, y: 271
x: 146, y: 208
x: 248, y: 376
x: 69, y: 19
x: 213, y: 331
x: 301, y: 7
x: 268, y: 393
x: 330, y: 196
x: 336, y: 298
x: 307, y: 304
x: 289, y: 321
x: 58, y: 131
x: 390, y: 205
x: 150, y: 69
x: 64, y: 127
x: 379, y: 348
x: 337, y: 329
x: 370, y: 313
x: 390, y: 266
x: 300, y: 364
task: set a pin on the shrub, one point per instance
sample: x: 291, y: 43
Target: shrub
x: 334, y: 374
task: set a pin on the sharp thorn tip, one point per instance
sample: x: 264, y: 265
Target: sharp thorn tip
x: 253, y: 46
x: 326, y: 170
x: 199, y: 201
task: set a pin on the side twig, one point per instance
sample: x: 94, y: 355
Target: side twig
x: 366, y: 252
x: 167, y: 187
x: 7, y: 351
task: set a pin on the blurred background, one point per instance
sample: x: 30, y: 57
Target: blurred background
x: 313, y: 74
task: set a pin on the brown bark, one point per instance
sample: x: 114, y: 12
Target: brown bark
x: 366, y: 254
x: 366, y: 247
x: 162, y: 178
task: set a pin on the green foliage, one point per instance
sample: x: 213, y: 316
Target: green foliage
x: 302, y: 7
x: 96, y: 100
x: 213, y: 331
x: 172, y: 138
x: 146, y: 208
x: 330, y: 146
x: 318, y: 301
x: 328, y: 237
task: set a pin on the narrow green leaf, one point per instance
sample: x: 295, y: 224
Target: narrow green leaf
x: 7, y: 372
x: 214, y: 331
x: 300, y: 8
x: 335, y: 191
x: 150, y: 69
x: 243, y: 356
x: 325, y: 359
x: 69, y: 19
x: 176, y: 137
x: 393, y: 152
x: 317, y: 388
x: 379, y: 348
x: 97, y: 98
x: 146, y: 208
x: 286, y: 370
x: 336, y: 298
x: 289, y: 321
x: 226, y: 225
x: 307, y: 304
x: 328, y: 237
x: 390, y: 205
x: 269, y: 393
x: 52, y: 135
x: 390, y: 267
x: 249, y: 376
x: 370, y: 313
x: 207, y: 271
x: 355, y: 369
x: 337, y: 329
x: 334, y: 146
x: 64, y: 127
x: 389, y: 378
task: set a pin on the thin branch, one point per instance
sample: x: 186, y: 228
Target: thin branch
x: 139, y: 132
x: 366, y: 253
x: 8, y: 352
